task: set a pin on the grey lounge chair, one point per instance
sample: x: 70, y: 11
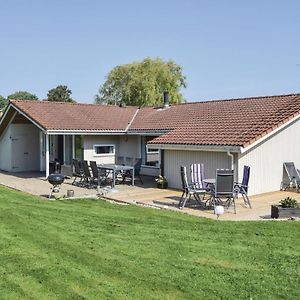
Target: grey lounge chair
x: 87, y: 173
x: 98, y: 176
x: 78, y: 171
x: 224, y: 189
x: 242, y: 188
x: 290, y: 177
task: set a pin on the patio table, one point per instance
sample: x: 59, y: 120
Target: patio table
x: 115, y: 168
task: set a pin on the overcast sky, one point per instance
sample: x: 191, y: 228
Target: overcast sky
x: 227, y: 49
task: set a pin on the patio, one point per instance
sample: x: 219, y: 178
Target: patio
x: 146, y: 194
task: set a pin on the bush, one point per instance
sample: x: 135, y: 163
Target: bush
x: 288, y: 202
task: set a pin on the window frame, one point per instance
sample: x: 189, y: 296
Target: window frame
x: 104, y: 154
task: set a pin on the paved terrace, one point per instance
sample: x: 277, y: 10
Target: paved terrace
x: 148, y: 195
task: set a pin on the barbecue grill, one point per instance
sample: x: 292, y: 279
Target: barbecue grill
x: 56, y: 180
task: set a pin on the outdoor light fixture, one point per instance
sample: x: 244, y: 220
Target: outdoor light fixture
x: 219, y: 210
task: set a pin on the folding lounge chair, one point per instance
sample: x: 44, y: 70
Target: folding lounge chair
x: 197, y: 176
x: 87, y: 173
x: 98, y: 176
x: 187, y: 190
x: 77, y: 172
x: 224, y: 189
x: 290, y: 177
x: 242, y: 188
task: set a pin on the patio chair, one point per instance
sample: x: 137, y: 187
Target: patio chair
x: 87, y: 173
x: 77, y: 172
x: 187, y: 190
x: 290, y: 177
x: 137, y: 170
x: 224, y: 189
x: 197, y: 176
x: 242, y: 188
x: 98, y: 176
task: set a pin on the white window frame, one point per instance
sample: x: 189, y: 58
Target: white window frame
x: 104, y: 154
x: 149, y: 150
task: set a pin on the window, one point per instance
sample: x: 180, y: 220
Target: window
x: 104, y: 150
x: 150, y: 156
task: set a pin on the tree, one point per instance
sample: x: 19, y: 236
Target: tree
x: 22, y: 95
x: 143, y: 83
x: 3, y: 102
x: 60, y: 94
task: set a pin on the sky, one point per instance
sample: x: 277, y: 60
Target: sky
x: 228, y: 49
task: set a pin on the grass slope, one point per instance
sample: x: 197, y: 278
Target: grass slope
x: 95, y: 250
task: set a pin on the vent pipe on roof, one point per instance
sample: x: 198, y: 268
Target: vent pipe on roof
x: 166, y: 100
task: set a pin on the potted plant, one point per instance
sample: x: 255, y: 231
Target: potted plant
x: 288, y: 207
x: 162, y: 182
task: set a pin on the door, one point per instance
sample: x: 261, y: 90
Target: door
x: 20, y: 153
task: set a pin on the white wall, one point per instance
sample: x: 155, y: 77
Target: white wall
x: 129, y: 146
x: 88, y: 144
x: 33, y: 135
x: 176, y: 158
x: 5, y: 150
x: 266, y: 159
x: 33, y: 146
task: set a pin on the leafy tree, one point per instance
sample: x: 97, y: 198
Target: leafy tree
x: 143, y: 83
x: 3, y: 102
x: 22, y: 95
x: 60, y: 94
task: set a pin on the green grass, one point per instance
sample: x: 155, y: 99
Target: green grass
x: 90, y: 249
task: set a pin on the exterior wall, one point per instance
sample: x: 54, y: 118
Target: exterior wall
x: 266, y: 159
x: 32, y: 146
x: 5, y: 150
x: 88, y: 145
x: 176, y: 158
x: 129, y: 146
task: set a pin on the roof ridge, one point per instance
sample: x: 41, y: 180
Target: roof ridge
x: 235, y: 99
x: 70, y: 103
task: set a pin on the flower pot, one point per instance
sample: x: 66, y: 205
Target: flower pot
x: 284, y: 212
x: 162, y: 185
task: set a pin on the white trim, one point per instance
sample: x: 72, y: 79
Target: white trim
x: 47, y: 155
x: 273, y: 132
x: 104, y: 154
x: 194, y: 147
x: 64, y: 148
x: 73, y: 146
x: 84, y: 132
x: 26, y: 116
x: 5, y: 113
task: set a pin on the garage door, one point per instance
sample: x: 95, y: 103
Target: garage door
x: 173, y: 159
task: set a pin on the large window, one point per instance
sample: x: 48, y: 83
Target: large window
x: 102, y: 150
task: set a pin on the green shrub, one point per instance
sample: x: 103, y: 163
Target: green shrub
x: 288, y: 202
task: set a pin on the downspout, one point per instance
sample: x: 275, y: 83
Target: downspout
x: 232, y: 159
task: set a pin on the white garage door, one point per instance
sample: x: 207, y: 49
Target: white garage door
x: 173, y: 159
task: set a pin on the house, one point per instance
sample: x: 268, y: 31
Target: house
x: 262, y: 132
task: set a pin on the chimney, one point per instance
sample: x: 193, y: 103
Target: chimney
x: 166, y: 99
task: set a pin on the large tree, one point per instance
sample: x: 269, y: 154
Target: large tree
x: 143, y: 83
x: 60, y: 94
x: 3, y: 102
x: 22, y: 95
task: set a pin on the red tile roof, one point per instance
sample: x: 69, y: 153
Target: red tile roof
x: 70, y: 116
x: 234, y: 122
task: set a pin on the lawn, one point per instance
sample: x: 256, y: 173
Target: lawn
x: 90, y: 249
